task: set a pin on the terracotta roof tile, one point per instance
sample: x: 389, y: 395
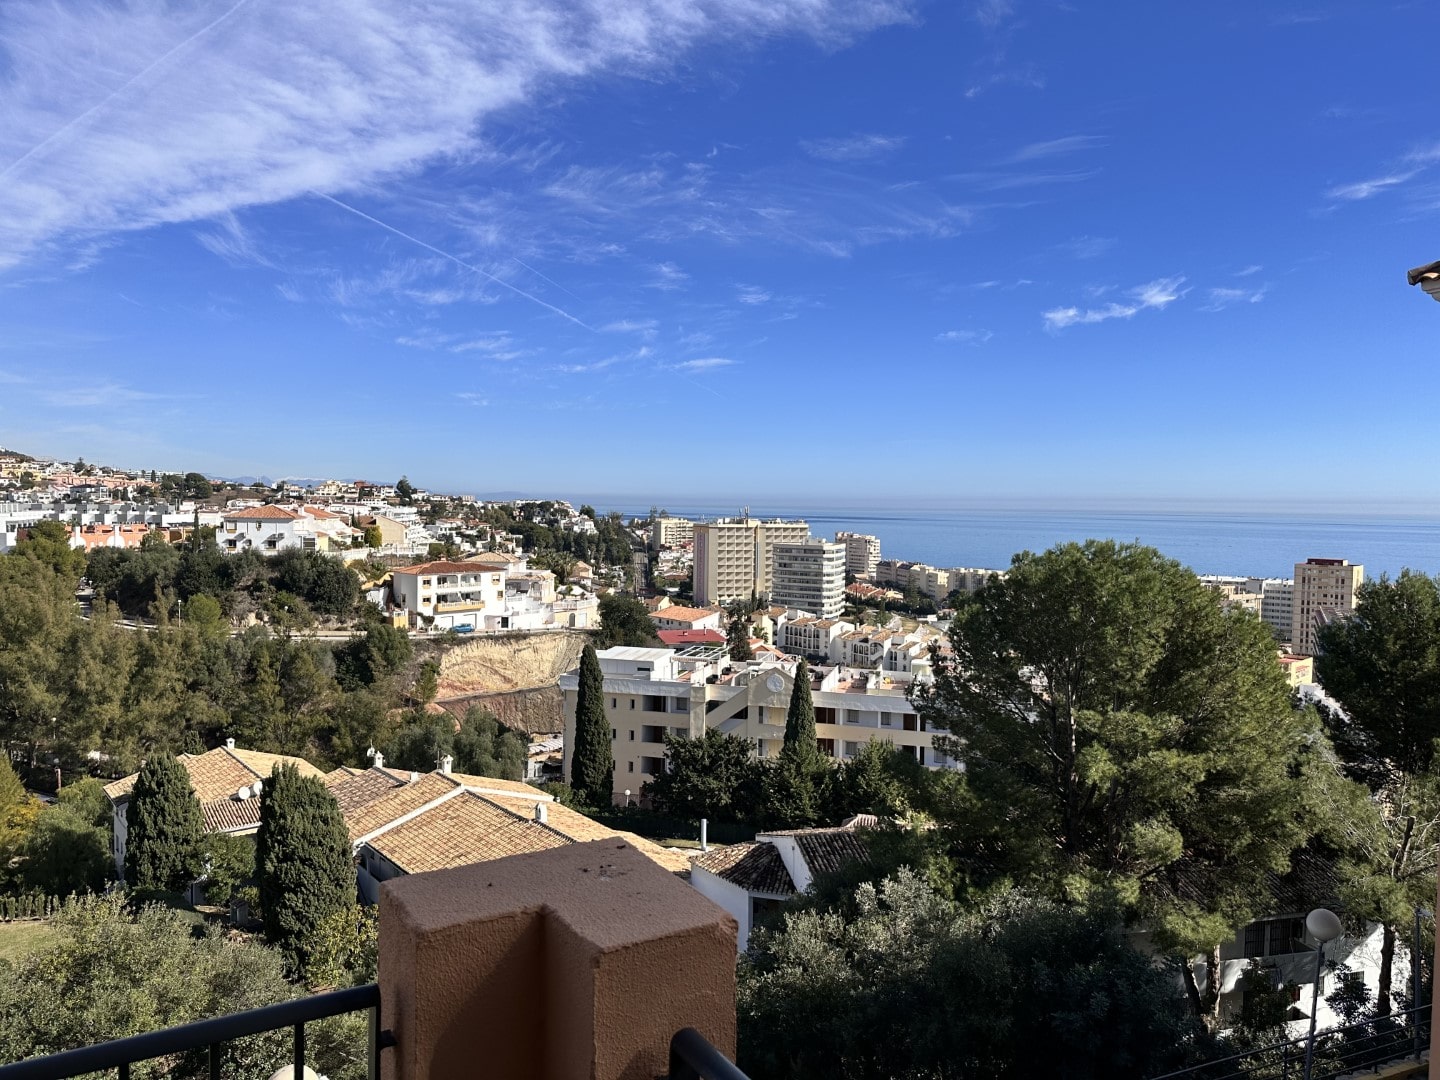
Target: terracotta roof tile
x: 262, y: 513
x: 683, y: 614
x: 828, y: 851
x: 754, y: 867
x: 403, y: 800
x: 354, y: 793
x: 231, y: 815
x: 447, y: 567
x: 218, y: 774
x: 466, y: 829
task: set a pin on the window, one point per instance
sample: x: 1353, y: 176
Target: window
x: 632, y: 703
x: 632, y: 734
x: 1276, y: 937
x: 629, y: 766
x: 614, y: 704
x: 614, y: 734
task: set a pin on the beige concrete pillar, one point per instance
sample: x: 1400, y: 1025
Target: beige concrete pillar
x: 577, y: 963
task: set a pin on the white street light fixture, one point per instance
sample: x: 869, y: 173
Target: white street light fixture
x: 1427, y: 277
x: 1324, y: 926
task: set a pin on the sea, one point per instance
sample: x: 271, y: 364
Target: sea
x: 1209, y: 541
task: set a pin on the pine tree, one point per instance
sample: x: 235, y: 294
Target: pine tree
x: 800, y: 746
x: 302, y: 861
x: 592, y: 766
x: 163, y: 827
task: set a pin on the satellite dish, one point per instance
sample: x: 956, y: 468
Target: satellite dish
x: 257, y: 787
x: 243, y: 793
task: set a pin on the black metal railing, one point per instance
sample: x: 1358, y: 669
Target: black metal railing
x: 693, y: 1058
x: 1365, y: 1045
x: 211, y: 1037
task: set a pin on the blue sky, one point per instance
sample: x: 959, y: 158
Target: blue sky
x: 733, y: 248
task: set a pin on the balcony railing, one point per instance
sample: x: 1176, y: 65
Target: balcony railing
x: 210, y: 1036
x: 693, y: 1058
x: 1364, y: 1046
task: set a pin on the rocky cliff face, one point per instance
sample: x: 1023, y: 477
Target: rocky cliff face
x: 516, y: 678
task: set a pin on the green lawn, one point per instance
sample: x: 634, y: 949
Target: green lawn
x: 19, y: 939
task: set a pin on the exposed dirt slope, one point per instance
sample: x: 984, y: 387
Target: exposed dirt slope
x: 491, y: 665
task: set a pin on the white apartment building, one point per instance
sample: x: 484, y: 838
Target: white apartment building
x: 734, y: 557
x: 1324, y: 591
x: 805, y: 635
x: 809, y: 575
x: 651, y: 692
x: 671, y: 532
x: 271, y: 530
x: 488, y: 595
x: 1277, y: 606
x: 862, y: 553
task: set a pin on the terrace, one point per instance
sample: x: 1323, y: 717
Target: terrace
x: 586, y: 961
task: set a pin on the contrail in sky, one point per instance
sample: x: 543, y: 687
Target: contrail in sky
x: 457, y: 261
x: 119, y: 90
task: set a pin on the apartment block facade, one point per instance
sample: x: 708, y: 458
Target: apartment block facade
x: 653, y: 692
x: 734, y: 557
x: 671, y: 532
x: 1324, y: 590
x: 862, y: 553
x: 809, y: 575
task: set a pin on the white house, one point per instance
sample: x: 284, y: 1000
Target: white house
x: 752, y: 880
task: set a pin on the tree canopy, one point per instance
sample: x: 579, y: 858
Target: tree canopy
x: 1123, y: 734
x: 163, y: 828
x: 302, y: 862
x: 904, y: 984
x: 592, y: 762
x: 624, y: 621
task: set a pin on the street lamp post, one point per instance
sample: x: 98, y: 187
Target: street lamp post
x: 1323, y: 925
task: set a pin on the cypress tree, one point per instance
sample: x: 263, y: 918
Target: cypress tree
x: 163, y: 827
x: 303, y: 862
x: 592, y: 765
x: 800, y: 746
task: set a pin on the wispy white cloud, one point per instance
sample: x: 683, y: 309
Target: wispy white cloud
x: 230, y: 241
x: 751, y: 294
x: 177, y: 115
x: 1221, y: 298
x: 859, y: 147
x: 630, y: 326
x: 1048, y: 148
x: 470, y: 397
x: 1006, y: 181
x: 288, y: 291
x: 667, y: 277
x: 1367, y: 189
x: 992, y: 14
x: 708, y: 363
x: 965, y: 337
x: 1153, y: 295
x: 1253, y: 268
x: 1086, y: 247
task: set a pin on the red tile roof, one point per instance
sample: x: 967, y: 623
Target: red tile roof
x: 449, y: 567
x: 262, y: 513
x: 691, y: 637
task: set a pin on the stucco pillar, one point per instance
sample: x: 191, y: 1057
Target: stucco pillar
x: 577, y: 963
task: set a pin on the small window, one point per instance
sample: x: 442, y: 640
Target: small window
x: 632, y: 734
x: 630, y: 766
x: 614, y: 734
x: 632, y: 703
x: 614, y: 704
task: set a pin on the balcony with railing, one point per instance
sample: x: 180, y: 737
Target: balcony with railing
x: 585, y: 961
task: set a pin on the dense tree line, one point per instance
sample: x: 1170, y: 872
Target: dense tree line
x: 538, y: 525
x: 1131, y: 748
x: 291, y: 587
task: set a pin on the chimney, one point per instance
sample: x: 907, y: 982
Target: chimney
x: 229, y: 744
x: 379, y: 760
x: 541, y: 814
x: 704, y: 832
x: 446, y: 764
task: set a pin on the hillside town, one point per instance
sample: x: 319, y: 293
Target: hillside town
x: 754, y: 711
